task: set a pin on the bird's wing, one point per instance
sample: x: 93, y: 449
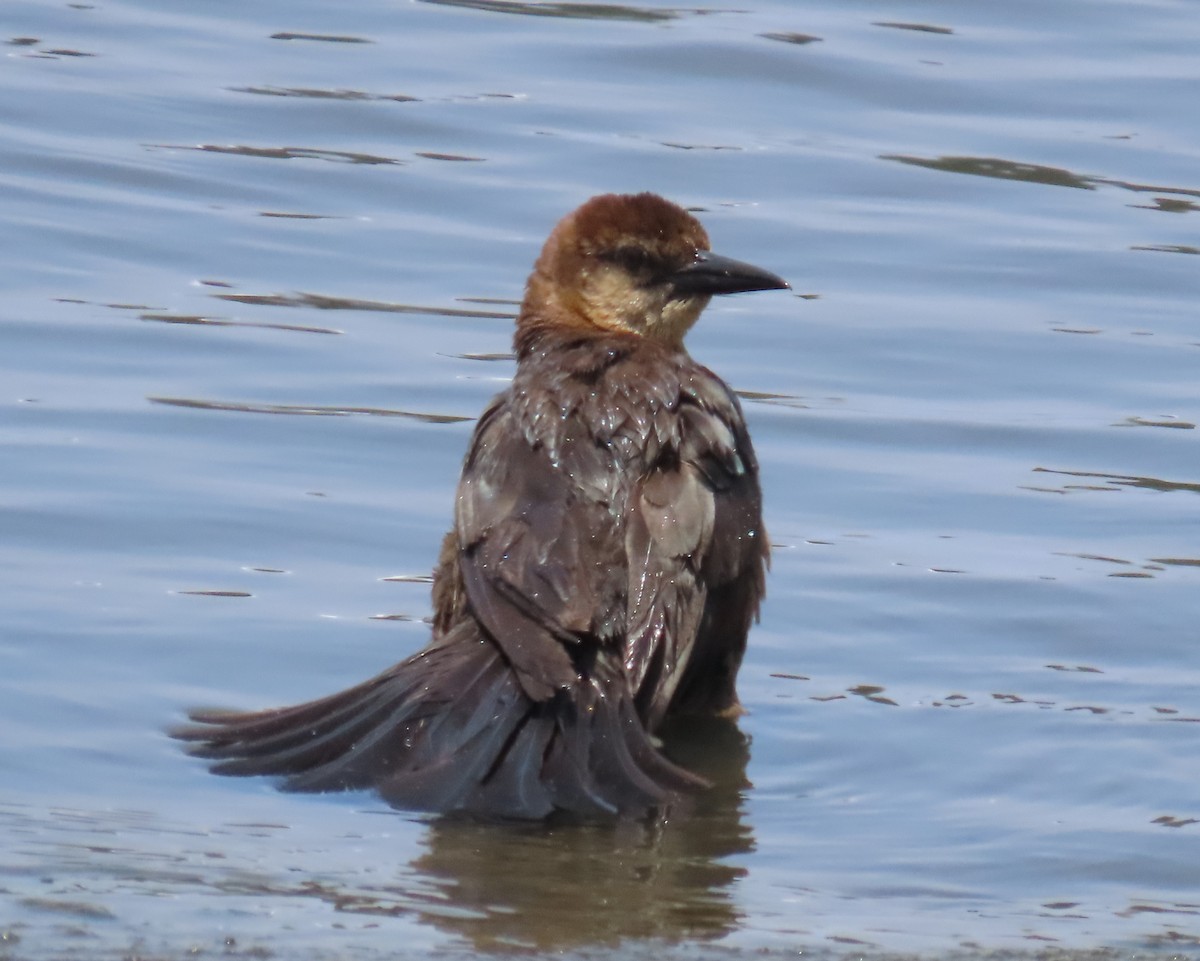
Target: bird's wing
x: 696, y: 554
x: 541, y: 562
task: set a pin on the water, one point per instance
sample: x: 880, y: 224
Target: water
x: 254, y: 294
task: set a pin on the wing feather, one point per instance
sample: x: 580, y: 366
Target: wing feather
x: 696, y: 553
x: 539, y: 560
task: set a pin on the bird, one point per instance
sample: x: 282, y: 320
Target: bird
x: 605, y: 563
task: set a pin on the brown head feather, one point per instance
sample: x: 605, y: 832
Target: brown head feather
x: 607, y: 266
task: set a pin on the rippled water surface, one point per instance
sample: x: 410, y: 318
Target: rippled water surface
x: 259, y: 268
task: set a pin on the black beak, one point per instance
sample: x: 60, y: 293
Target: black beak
x: 711, y: 274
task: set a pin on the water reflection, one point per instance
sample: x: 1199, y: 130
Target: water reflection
x: 323, y: 94
x: 796, y: 38
x: 918, y: 27
x: 326, y: 302
x: 1124, y: 480
x: 197, y: 320
x: 306, y: 410
x: 573, y: 11
x: 574, y: 885
x: 499, y: 887
x: 320, y: 38
x: 1001, y: 169
x: 1168, y: 248
x: 281, y: 153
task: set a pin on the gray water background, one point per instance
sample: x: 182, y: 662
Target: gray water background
x: 258, y: 265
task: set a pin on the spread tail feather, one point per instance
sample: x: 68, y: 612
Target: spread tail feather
x: 451, y: 730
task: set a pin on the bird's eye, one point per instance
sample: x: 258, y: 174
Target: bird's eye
x: 635, y: 260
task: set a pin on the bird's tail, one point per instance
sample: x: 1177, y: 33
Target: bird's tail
x: 450, y: 730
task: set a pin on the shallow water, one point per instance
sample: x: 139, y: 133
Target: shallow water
x: 259, y: 268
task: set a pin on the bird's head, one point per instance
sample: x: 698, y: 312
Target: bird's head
x: 632, y: 263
